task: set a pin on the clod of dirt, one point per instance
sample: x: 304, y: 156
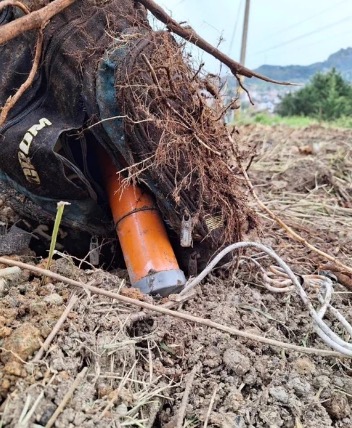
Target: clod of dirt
x: 280, y: 394
x: 271, y: 417
x: 306, y: 175
x: 304, y: 366
x: 4, y: 330
x: 235, y: 400
x: 321, y: 381
x: 236, y: 361
x: 54, y: 299
x: 14, y: 368
x: 23, y: 342
x: 213, y: 357
x: 227, y: 420
x: 301, y: 387
x: 337, y: 406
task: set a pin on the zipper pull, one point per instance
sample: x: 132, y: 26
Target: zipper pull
x: 94, y: 251
x: 186, y: 239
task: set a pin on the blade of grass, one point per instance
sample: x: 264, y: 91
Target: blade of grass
x: 59, y: 214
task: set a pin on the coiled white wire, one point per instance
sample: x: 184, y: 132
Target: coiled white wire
x: 321, y: 328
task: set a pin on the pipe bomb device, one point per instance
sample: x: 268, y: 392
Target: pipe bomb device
x: 149, y: 257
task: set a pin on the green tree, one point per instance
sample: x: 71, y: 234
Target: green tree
x: 327, y: 97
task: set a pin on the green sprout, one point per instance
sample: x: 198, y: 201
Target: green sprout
x: 59, y: 213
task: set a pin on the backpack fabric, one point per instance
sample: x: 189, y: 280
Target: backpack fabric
x: 43, y: 152
x: 78, y: 102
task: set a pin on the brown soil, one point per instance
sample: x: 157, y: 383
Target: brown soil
x: 137, y: 372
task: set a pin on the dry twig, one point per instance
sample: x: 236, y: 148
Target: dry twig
x: 67, y: 397
x: 190, y: 35
x: 165, y: 311
x: 56, y: 329
x: 116, y: 393
x: 184, y: 402
x: 211, y: 404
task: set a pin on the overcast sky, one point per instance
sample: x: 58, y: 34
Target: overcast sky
x: 281, y: 32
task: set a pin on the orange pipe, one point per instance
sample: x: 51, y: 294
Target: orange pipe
x: 149, y: 257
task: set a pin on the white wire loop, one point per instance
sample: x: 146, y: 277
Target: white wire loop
x: 289, y: 282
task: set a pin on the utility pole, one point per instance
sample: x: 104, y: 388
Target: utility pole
x: 243, y: 49
x: 245, y: 32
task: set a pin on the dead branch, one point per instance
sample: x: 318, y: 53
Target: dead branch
x: 12, y: 100
x: 181, y: 315
x: 33, y: 20
x: 191, y: 36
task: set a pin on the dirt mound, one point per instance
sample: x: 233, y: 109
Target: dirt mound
x: 134, y: 373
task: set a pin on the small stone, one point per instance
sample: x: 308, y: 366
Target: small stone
x: 250, y: 378
x: 272, y: 417
x: 23, y: 342
x: 122, y: 410
x: 321, y: 381
x: 338, y: 381
x: 236, y: 361
x: 37, y: 308
x: 50, y: 287
x: 279, y: 393
x: 5, y: 384
x: 5, y: 332
x: 104, y: 390
x: 226, y: 420
x: 239, y: 422
x: 4, y: 288
x: 213, y: 357
x: 300, y: 386
x: 64, y: 375
x: 54, y: 299
x: 235, y: 400
x: 14, y: 368
x: 39, y: 375
x: 69, y: 415
x: 79, y: 419
x: 48, y: 411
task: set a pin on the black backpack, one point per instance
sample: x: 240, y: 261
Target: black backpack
x: 103, y: 81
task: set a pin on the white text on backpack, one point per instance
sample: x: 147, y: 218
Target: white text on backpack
x: 23, y: 154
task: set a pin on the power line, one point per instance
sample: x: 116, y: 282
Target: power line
x: 235, y: 27
x: 283, y: 30
x: 318, y: 30
x: 330, y: 37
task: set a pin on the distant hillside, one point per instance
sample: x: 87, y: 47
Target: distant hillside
x: 341, y: 60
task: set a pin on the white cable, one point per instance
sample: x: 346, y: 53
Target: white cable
x: 321, y: 328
